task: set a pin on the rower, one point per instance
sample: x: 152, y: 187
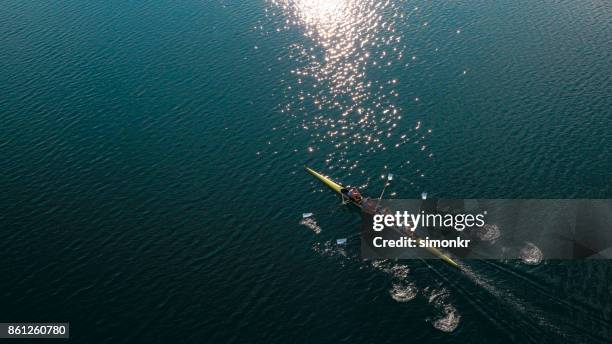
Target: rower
x: 354, y: 194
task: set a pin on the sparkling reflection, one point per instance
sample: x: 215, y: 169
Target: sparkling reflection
x: 343, y: 88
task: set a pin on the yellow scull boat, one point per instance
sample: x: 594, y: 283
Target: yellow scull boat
x: 344, y: 192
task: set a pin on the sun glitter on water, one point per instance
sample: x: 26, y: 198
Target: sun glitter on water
x: 343, y: 90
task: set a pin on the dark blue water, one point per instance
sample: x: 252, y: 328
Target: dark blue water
x: 152, y: 159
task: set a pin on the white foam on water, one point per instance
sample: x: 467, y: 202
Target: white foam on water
x: 448, y: 322
x: 403, y: 292
x: 531, y: 254
x: 379, y: 264
x: 399, y: 271
x: 449, y: 318
x: 324, y: 249
x: 489, y: 232
x: 311, y: 223
x: 330, y: 249
x: 396, y: 271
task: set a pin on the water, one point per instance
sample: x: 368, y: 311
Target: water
x: 152, y: 159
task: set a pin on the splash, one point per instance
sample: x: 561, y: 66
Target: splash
x: 331, y: 249
x: 449, y: 321
x: 449, y: 318
x: 531, y: 254
x: 311, y: 224
x: 403, y: 292
x: 397, y: 271
x: 489, y: 232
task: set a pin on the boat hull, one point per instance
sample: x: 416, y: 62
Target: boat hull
x: 330, y: 183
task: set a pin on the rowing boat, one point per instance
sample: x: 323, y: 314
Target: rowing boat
x: 332, y: 185
x: 341, y: 190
